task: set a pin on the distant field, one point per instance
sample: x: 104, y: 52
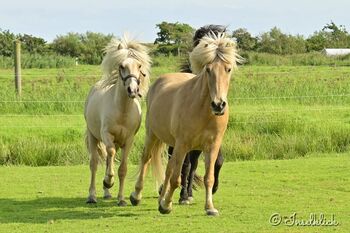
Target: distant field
x: 276, y: 112
x: 52, y: 199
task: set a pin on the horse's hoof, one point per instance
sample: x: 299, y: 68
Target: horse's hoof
x: 122, y: 203
x: 91, y: 200
x: 212, y: 212
x: 106, y: 185
x: 133, y: 200
x: 184, y: 201
x: 107, y: 197
x: 190, y: 199
x: 163, y: 211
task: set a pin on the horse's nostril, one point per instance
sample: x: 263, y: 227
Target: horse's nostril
x: 129, y: 89
x: 223, y: 104
x: 218, y: 106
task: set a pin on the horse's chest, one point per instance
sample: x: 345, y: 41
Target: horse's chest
x: 123, y: 130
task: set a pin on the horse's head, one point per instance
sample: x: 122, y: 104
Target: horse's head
x: 127, y: 61
x: 218, y: 74
x: 214, y: 58
x: 131, y: 74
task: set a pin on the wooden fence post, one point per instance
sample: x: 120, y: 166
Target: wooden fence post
x: 18, y: 78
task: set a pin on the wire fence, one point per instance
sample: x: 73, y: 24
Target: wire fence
x: 259, y: 120
x: 234, y: 98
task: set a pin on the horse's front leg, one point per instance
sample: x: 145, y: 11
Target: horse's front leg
x: 108, y: 140
x: 122, y: 171
x: 210, y: 158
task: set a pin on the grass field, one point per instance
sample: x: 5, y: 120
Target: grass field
x: 52, y: 199
x: 276, y: 112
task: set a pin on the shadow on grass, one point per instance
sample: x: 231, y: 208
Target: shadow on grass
x: 43, y: 210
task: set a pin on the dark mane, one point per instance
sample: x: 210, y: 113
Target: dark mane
x: 205, y: 30
x: 198, y: 35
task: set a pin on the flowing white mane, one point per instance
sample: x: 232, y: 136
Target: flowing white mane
x: 116, y: 52
x: 212, y: 47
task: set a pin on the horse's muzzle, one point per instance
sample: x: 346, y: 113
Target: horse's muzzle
x: 218, y: 108
x: 133, y: 94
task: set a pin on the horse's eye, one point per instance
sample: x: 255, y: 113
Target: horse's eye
x: 139, y: 66
x: 228, y: 70
x: 208, y: 69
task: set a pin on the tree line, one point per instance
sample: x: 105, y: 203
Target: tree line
x: 176, y: 39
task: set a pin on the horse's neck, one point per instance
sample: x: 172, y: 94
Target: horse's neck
x: 121, y: 99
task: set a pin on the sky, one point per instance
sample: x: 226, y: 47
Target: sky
x: 47, y: 19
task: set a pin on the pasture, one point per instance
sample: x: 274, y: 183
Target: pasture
x: 286, y: 148
x: 275, y: 113
x: 52, y: 199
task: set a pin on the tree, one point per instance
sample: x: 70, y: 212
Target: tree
x: 6, y: 43
x: 92, y: 47
x: 331, y: 36
x: 174, y: 38
x: 277, y: 42
x: 32, y: 44
x: 245, y: 41
x: 88, y: 47
x: 68, y: 45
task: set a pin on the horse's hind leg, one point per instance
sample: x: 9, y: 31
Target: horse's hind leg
x: 218, y: 164
x: 92, y: 147
x: 184, y: 175
x: 172, y: 178
x: 186, y: 166
x: 108, y: 140
x: 150, y: 144
x: 122, y: 172
x: 194, y: 155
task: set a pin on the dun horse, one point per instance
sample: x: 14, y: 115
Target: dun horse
x: 188, y: 172
x: 113, y: 113
x: 189, y: 112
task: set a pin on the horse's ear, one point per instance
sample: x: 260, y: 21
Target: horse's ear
x: 120, y: 46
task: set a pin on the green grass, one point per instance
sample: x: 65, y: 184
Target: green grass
x: 38, y: 61
x: 52, y: 199
x: 276, y: 112
x: 304, y: 59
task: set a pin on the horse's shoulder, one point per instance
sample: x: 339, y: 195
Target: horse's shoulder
x: 177, y: 76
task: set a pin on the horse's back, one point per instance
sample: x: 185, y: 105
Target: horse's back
x: 168, y: 83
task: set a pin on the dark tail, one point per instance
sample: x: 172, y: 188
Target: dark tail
x: 198, y: 181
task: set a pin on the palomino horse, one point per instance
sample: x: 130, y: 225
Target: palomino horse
x: 188, y: 112
x: 112, y: 113
x: 188, y: 172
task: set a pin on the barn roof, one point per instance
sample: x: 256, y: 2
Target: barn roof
x: 336, y: 52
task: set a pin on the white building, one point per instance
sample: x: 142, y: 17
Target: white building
x: 336, y: 52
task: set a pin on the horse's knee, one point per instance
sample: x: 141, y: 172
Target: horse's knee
x: 208, y: 180
x: 122, y: 171
x: 110, y: 151
x: 175, y: 181
x: 93, y: 161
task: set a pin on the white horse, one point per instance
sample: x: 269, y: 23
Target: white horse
x: 113, y: 112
